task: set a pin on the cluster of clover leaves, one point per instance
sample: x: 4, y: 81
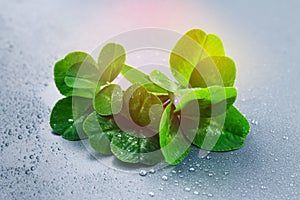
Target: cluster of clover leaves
x: 156, y: 118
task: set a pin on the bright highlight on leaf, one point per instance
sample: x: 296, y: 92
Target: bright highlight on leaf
x: 190, y: 49
x: 111, y: 60
x: 156, y: 118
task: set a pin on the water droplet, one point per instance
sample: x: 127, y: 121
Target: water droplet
x: 173, y: 172
x: 152, y: 171
x: 208, y: 157
x: 161, y: 189
x: 20, y: 137
x: 70, y: 120
x: 210, y: 195
x: 226, y: 172
x: 151, y: 194
x: 263, y: 187
x: 196, y: 192
x: 285, y: 137
x: 192, y: 169
x: 210, y: 174
x: 187, y: 189
x: 165, y: 178
x: 254, y: 122
x: 143, y: 173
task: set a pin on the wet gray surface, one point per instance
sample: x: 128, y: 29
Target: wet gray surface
x: 263, y: 39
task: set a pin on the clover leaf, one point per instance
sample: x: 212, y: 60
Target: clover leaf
x: 145, y: 108
x: 109, y: 100
x: 68, y: 115
x: 82, y: 75
x: 163, y: 81
x: 190, y: 49
x: 61, y: 68
x: 134, y: 148
x: 213, y: 136
x: 215, y: 70
x: 213, y: 100
x: 174, y: 145
x: 100, y: 131
x: 110, y: 61
x: 136, y: 76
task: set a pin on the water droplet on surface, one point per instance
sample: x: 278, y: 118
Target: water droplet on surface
x: 196, y: 192
x: 210, y: 195
x: 173, y: 172
x: 285, y: 137
x: 226, y: 172
x: 263, y: 187
x: 152, y: 171
x: 192, y: 169
x: 187, y: 189
x: 208, y: 157
x: 143, y: 173
x: 151, y: 194
x: 254, y: 122
x: 20, y: 137
x: 165, y: 178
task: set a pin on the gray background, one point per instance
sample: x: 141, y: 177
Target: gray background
x: 261, y: 36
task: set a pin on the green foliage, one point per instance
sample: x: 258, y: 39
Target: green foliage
x: 136, y: 76
x: 111, y: 60
x: 228, y: 135
x: 155, y: 118
x: 68, y: 115
x: 216, y: 70
x: 190, y: 49
x: 173, y: 144
x: 61, y: 68
x: 213, y: 100
x: 144, y: 108
x: 163, y: 81
x: 109, y: 100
